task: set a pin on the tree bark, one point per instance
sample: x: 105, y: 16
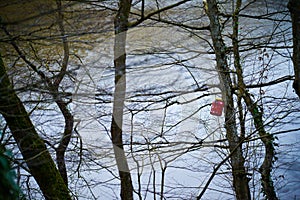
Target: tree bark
x: 65, y: 140
x: 121, y: 26
x: 53, y: 87
x: 267, y: 139
x: 240, y: 180
x: 62, y: 105
x: 32, y: 147
x: 294, y: 7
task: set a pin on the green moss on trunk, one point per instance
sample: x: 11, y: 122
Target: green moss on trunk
x: 32, y: 147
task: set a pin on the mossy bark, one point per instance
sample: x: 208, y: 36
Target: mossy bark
x: 32, y: 147
x: 266, y: 138
x: 240, y: 180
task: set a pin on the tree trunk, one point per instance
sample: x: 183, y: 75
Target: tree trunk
x: 64, y: 142
x: 240, y: 180
x: 121, y: 26
x: 32, y: 147
x: 294, y: 7
x: 63, y: 106
x: 267, y: 139
x: 53, y: 87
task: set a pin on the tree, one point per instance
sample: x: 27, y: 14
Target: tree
x: 31, y: 145
x: 267, y: 139
x: 121, y: 26
x: 120, y: 91
x: 240, y: 180
x: 53, y: 88
x: 294, y: 7
x: 242, y: 93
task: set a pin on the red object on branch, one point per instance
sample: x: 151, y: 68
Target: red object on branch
x: 217, y: 107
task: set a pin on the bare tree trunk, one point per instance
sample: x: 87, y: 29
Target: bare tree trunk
x: 240, y: 180
x: 294, y: 7
x: 121, y: 26
x: 267, y: 139
x: 32, y: 147
x: 63, y: 106
x: 64, y: 142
